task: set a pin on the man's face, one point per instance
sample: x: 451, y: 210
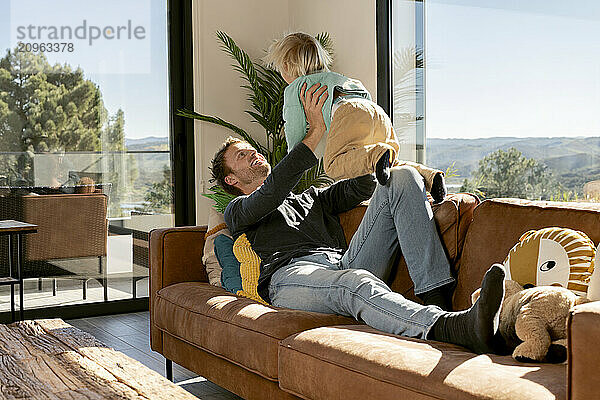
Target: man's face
x: 249, y: 168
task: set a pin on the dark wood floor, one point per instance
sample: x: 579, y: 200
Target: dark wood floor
x: 129, y: 333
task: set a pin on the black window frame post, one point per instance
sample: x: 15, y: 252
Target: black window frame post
x: 181, y: 85
x: 384, y: 49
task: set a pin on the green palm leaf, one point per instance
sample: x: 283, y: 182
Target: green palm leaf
x: 220, y: 197
x: 244, y: 64
x: 313, y: 177
x: 326, y: 42
x: 261, y: 120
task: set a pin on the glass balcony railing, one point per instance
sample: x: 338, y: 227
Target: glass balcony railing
x: 135, y: 181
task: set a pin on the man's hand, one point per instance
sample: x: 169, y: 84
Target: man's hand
x: 312, y: 101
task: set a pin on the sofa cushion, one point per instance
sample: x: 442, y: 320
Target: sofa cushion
x: 359, y: 362
x: 552, y: 256
x: 237, y: 329
x: 231, y: 280
x: 499, y: 223
x: 249, y: 268
x: 216, y: 227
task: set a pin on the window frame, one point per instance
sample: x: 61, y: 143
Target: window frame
x: 384, y: 50
x: 181, y: 95
x: 385, y: 79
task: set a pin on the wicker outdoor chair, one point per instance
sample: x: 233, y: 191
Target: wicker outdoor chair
x: 72, y: 228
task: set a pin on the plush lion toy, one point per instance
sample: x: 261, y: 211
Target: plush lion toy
x: 546, y: 271
x: 533, y: 321
x: 593, y: 293
x: 552, y: 257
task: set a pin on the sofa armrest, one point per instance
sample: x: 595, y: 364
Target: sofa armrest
x: 583, y: 332
x: 175, y: 255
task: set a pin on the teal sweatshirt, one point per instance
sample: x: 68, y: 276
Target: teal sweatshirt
x: 296, y: 126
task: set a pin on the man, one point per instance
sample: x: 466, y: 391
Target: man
x: 305, y: 263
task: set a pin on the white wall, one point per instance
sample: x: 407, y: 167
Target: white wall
x: 354, y: 39
x: 253, y: 24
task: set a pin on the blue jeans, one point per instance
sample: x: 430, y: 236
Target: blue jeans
x: 399, y: 218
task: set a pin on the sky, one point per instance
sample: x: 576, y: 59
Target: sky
x: 508, y: 68
x: 493, y: 67
x: 131, y: 73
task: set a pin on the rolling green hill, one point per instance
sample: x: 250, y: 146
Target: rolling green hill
x: 573, y: 160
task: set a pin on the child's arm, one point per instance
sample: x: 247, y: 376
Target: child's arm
x: 312, y: 103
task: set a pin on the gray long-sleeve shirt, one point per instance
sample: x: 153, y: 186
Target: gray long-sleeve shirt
x: 281, y: 225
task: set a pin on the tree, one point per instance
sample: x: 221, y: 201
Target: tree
x: 510, y: 174
x: 54, y: 109
x: 120, y: 168
x: 160, y: 197
x: 115, y: 132
x: 46, y: 108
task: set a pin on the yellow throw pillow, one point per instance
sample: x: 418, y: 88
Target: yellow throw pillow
x: 249, y: 268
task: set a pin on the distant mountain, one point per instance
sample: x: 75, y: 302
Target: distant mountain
x: 575, y: 158
x: 573, y: 162
x: 147, y: 143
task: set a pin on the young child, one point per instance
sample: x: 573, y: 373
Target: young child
x: 360, y: 138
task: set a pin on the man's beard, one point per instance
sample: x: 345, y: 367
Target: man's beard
x: 257, y: 173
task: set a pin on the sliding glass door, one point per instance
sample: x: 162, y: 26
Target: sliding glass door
x: 85, y: 145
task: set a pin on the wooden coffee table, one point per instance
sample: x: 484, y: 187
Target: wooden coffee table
x: 50, y: 359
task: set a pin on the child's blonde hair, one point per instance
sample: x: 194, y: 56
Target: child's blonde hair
x: 297, y: 54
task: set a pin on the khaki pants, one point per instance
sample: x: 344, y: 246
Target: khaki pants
x: 359, y: 134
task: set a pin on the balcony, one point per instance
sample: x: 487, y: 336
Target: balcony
x: 53, y: 190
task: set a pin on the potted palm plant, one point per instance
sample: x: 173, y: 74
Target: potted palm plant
x: 265, y: 87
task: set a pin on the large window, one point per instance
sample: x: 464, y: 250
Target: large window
x: 85, y: 148
x: 511, y: 94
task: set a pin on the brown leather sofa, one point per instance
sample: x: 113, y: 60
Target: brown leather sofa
x: 262, y: 352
